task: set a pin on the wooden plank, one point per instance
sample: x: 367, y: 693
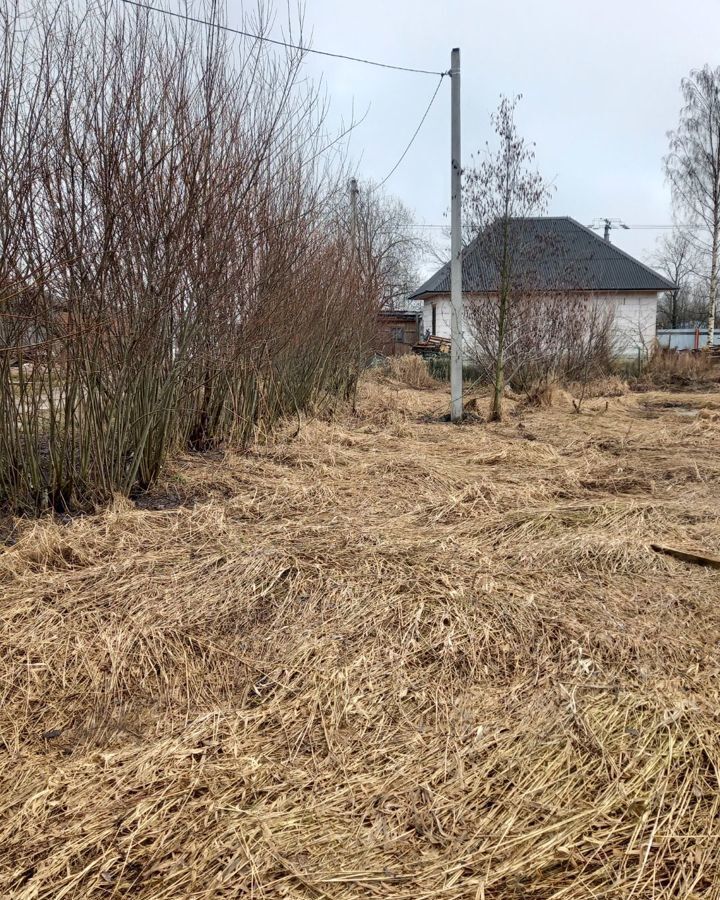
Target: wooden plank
x: 691, y: 556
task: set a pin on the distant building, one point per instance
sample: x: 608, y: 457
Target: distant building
x: 565, y: 257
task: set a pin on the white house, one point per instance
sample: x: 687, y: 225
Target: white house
x: 567, y: 258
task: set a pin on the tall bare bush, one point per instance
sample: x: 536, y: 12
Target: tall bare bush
x: 174, y: 272
x: 550, y: 336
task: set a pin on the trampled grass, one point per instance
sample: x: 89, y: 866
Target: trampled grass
x: 385, y: 657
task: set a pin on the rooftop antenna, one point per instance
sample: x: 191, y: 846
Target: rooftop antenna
x: 608, y: 225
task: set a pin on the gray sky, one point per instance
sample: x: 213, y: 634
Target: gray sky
x: 600, y: 84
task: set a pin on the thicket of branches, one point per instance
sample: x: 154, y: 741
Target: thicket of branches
x: 175, y: 263
x: 677, y: 258
x: 389, y: 249
x: 550, y: 336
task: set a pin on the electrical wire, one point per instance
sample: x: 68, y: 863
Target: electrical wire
x: 280, y: 43
x: 617, y: 223
x: 415, y: 133
x: 277, y: 42
x: 665, y: 227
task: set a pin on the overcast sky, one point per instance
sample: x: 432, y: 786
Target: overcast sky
x: 600, y: 84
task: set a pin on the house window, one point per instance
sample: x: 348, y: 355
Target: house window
x: 434, y: 319
x: 398, y: 334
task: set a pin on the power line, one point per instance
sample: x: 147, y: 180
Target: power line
x: 415, y: 225
x: 415, y: 133
x: 630, y: 227
x: 368, y: 62
x: 279, y: 43
x: 669, y: 227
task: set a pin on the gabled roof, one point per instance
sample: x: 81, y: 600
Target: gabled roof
x: 564, y: 255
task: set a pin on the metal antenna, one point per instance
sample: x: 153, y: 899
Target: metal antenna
x: 608, y: 225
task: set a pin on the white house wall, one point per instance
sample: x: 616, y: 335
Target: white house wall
x: 634, y: 320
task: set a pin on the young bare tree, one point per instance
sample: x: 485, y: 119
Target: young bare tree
x: 501, y: 190
x: 693, y: 169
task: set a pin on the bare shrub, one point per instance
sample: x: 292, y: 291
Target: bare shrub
x: 551, y: 337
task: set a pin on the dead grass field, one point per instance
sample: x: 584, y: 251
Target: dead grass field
x: 383, y: 658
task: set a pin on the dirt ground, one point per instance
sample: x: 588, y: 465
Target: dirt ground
x: 381, y: 657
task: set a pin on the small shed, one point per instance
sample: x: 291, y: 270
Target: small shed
x: 398, y: 331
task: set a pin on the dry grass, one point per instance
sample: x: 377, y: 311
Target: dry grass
x: 388, y: 659
x: 607, y: 386
x: 668, y: 368
x: 411, y: 370
x: 548, y: 395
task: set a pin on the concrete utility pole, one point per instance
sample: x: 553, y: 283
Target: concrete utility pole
x: 456, y: 300
x: 354, y: 215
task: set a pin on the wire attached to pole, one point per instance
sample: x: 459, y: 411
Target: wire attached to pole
x: 415, y: 134
x: 277, y: 42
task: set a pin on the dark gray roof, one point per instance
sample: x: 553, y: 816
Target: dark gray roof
x: 563, y: 254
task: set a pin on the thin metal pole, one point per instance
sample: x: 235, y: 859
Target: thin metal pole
x: 456, y: 300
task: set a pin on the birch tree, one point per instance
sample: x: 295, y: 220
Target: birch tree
x: 693, y: 169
